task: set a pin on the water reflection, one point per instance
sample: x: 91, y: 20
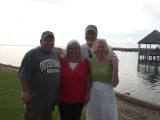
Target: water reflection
x: 150, y: 72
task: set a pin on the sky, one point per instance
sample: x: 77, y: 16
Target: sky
x: 121, y: 22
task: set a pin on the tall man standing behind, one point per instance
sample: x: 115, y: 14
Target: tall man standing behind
x: 40, y: 79
x: 91, y: 33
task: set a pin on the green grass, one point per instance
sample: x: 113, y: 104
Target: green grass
x: 11, y: 106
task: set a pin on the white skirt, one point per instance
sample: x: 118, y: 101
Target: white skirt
x: 102, y: 104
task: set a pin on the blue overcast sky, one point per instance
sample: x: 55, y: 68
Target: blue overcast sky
x: 23, y: 21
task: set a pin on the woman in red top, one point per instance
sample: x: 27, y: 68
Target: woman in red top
x: 75, y: 82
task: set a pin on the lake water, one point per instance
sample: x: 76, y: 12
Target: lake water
x: 141, y: 80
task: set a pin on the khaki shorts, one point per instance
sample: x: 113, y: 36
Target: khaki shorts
x: 39, y: 114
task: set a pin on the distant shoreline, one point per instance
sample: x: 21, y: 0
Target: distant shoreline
x: 11, y: 66
x: 114, y: 48
x: 125, y: 49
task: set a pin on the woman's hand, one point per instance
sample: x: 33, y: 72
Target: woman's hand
x: 115, y: 62
x: 114, y: 80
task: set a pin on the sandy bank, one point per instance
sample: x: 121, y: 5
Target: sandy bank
x: 130, y: 108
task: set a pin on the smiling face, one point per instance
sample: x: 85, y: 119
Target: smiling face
x: 47, y: 43
x: 73, y: 50
x: 101, y: 48
x: 90, y: 37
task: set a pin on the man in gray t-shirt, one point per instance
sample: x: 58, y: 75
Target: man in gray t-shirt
x: 39, y: 75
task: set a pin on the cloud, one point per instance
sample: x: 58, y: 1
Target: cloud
x: 27, y: 19
x: 50, y: 1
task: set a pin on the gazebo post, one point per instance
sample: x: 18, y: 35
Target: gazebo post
x: 146, y: 53
x: 139, y: 47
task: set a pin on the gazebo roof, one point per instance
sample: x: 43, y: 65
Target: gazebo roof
x: 152, y: 38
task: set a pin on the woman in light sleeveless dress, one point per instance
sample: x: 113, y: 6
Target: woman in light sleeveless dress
x: 102, y: 104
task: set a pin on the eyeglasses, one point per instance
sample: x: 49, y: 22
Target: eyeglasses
x: 89, y: 54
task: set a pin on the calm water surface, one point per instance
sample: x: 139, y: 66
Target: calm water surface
x: 141, y: 80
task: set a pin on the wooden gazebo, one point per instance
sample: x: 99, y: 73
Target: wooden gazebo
x: 149, y: 53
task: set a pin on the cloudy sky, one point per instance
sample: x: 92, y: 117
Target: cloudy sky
x: 23, y: 21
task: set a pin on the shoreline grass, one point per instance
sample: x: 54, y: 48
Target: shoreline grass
x: 11, y: 106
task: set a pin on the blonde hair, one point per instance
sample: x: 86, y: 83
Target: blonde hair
x: 101, y: 40
x: 71, y: 43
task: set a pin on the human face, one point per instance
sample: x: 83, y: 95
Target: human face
x: 101, y: 49
x: 90, y: 37
x: 47, y: 43
x: 73, y: 51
